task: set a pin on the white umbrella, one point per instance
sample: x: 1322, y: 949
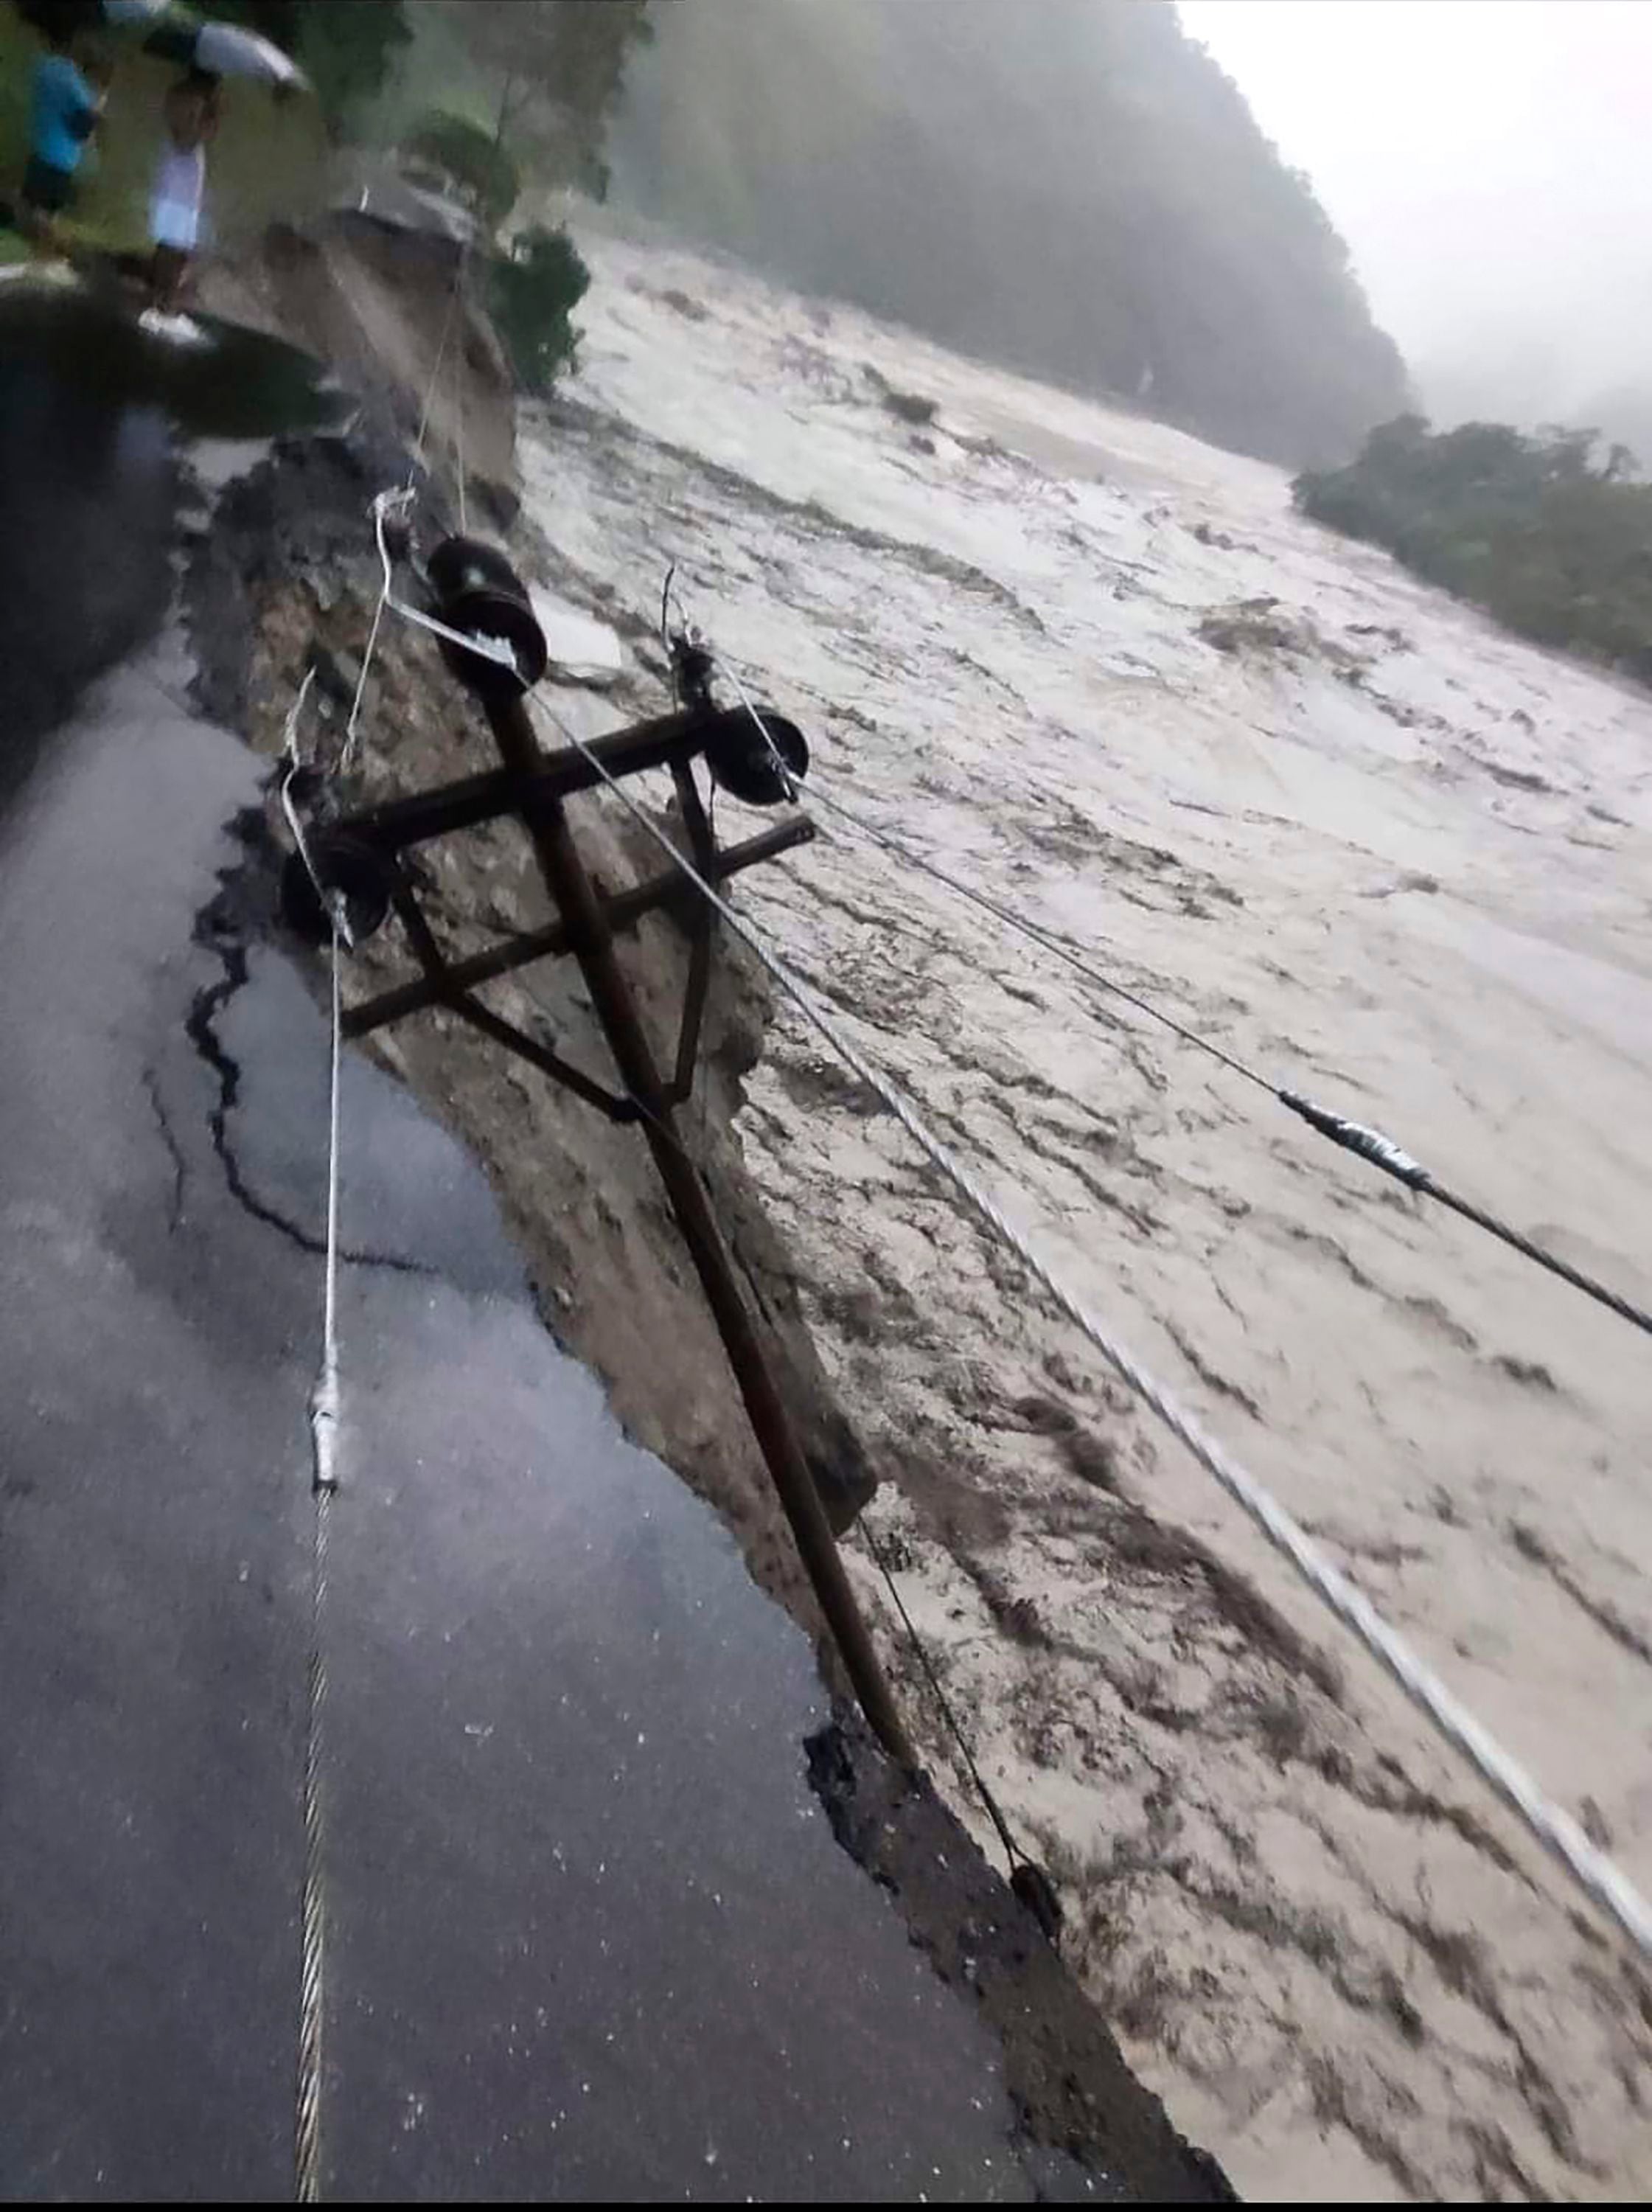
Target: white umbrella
x: 178, y: 33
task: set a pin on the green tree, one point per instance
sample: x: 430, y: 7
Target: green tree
x: 472, y: 157
x: 532, y: 291
x: 559, y: 65
x: 1554, y: 542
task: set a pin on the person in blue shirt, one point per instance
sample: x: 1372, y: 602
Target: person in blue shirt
x: 66, y: 107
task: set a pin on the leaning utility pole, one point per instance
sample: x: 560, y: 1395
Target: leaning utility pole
x: 478, y: 594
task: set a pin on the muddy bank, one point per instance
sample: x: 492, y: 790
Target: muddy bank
x: 284, y: 579
x: 392, y: 309
x: 1342, y: 827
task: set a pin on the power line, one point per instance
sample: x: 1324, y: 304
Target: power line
x: 323, y: 1428
x: 1367, y: 1144
x: 1026, y: 1878
x: 325, y: 1396
x: 324, y: 1483
x: 1035, y: 931
x: 1013, y: 1851
x: 1549, y: 1823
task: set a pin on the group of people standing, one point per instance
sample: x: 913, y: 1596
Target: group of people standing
x: 71, y: 87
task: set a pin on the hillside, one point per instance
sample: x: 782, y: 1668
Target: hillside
x: 1078, y: 191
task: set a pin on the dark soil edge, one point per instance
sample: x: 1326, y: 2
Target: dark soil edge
x: 1068, y: 2080
x: 1072, y: 2091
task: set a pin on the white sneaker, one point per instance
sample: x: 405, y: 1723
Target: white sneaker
x: 174, y: 330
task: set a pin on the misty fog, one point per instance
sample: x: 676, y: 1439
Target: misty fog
x: 1487, y: 162
x: 1483, y: 161
x: 1074, y: 188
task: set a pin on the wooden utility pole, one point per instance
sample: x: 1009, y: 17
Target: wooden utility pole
x: 592, y: 946
x: 360, y: 858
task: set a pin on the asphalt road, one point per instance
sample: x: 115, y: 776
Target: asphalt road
x: 591, y: 1936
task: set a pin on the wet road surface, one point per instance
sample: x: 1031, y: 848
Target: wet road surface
x: 88, y: 482
x: 591, y: 1936
x: 88, y: 580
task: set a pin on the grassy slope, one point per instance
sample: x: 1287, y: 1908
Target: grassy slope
x: 267, y: 160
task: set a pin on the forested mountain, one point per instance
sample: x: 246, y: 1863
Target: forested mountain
x: 1071, y: 186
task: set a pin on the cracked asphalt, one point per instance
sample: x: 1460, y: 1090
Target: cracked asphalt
x: 591, y: 1936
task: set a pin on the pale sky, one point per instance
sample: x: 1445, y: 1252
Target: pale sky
x: 1489, y: 163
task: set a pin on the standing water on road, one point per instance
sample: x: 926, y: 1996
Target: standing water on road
x: 1397, y: 860
x: 91, y: 409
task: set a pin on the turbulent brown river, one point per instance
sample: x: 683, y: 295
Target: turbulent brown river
x: 1394, y: 859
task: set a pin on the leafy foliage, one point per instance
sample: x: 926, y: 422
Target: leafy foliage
x: 1542, y: 530
x: 559, y: 65
x: 532, y: 292
x: 475, y: 159
x: 1075, y: 190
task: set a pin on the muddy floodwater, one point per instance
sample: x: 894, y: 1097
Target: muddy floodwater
x: 1394, y: 859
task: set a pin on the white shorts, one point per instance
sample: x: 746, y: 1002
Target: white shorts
x: 175, y: 223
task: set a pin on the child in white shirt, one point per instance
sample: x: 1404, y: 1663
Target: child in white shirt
x: 192, y: 118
